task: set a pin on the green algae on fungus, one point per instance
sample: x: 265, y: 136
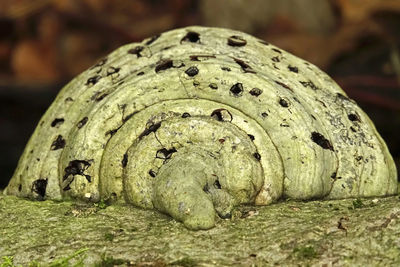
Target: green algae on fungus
x: 197, y: 121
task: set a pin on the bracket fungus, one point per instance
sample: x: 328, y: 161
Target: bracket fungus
x: 196, y: 121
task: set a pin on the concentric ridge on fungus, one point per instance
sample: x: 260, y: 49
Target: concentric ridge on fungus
x: 198, y: 120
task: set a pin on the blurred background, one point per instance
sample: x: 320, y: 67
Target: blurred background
x: 45, y: 43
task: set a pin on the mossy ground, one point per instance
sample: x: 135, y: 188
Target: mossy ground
x: 342, y: 232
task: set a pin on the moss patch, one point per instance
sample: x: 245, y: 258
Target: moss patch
x: 286, y: 233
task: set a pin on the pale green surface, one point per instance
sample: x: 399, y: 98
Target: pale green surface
x: 310, y: 140
x: 289, y: 233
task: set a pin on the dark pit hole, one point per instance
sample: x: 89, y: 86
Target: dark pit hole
x: 354, y: 117
x: 253, y: 255
x: 124, y: 160
x: 39, y: 187
x: 284, y: 85
x: 221, y: 114
x: 58, y: 143
x: 152, y: 128
x: 320, y: 140
x: 213, y: 86
x: 284, y: 103
x: 251, y: 137
x: 342, y: 97
x: 165, y: 153
x: 192, y: 71
x: 225, y: 68
x: 164, y: 65
x: 235, y: 40
x: 185, y: 115
x: 264, y: 114
x: 112, y: 70
x: 293, y: 69
x: 69, y: 99
x: 255, y: 92
x: 277, y: 50
x: 333, y: 175
x: 140, y: 73
x: 217, y: 185
x: 192, y: 37
x: 309, y: 84
x: 275, y: 59
x: 152, y: 39
x: 236, y: 89
x: 19, y: 187
x: 57, y: 122
x: 353, y: 129
x: 136, y: 51
x: 82, y: 122
x: 100, y: 97
x: 77, y: 167
x: 93, y: 80
x: 152, y: 173
x: 257, y: 156
x: 245, y: 67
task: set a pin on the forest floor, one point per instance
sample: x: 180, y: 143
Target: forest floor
x: 350, y: 232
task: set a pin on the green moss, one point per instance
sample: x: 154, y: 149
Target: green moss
x: 358, y: 204
x: 109, y: 261
x: 305, y: 252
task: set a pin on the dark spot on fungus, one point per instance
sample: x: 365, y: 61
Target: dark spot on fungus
x: 257, y: 156
x: 93, y: 80
x: 284, y: 85
x: 77, y: 167
x: 163, y: 65
x: 353, y: 129
x: 235, y: 40
x: 19, y: 187
x: 69, y: 99
x: 58, y: 143
x: 192, y: 37
x: 277, y: 50
x: 255, y: 92
x: 217, y: 184
x: 192, y: 71
x: 185, y: 115
x: 112, y: 70
x: 284, y: 103
x: 354, y: 117
x: 213, y: 86
x: 39, y: 187
x: 57, y: 122
x: 251, y: 137
x: 320, y: 140
x: 275, y: 59
x: 152, y: 39
x: 164, y: 153
x: 236, y: 89
x: 226, y: 68
x: 221, y: 115
x: 140, y: 73
x: 82, y: 122
x: 206, y: 189
x: 199, y: 57
x: 124, y: 160
x: 152, y: 173
x: 310, y: 84
x: 342, y: 97
x: 245, y: 67
x: 136, y: 51
x: 264, y: 114
x: 333, y: 175
x: 293, y: 69
x: 150, y: 129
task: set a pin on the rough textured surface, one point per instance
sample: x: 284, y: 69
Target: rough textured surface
x: 242, y: 120
x: 336, y: 232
